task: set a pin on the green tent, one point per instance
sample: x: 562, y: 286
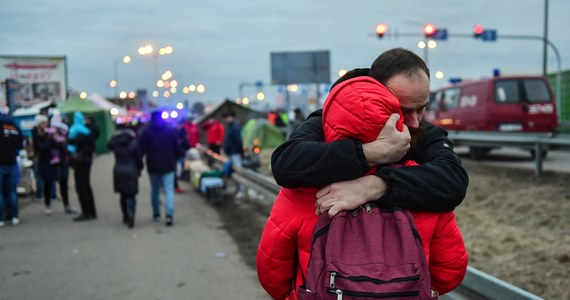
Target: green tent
x: 261, y: 133
x: 102, y: 117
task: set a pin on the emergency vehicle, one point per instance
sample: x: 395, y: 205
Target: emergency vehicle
x: 500, y: 104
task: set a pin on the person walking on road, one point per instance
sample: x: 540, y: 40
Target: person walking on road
x: 183, y: 145
x: 57, y: 123
x: 159, y: 143
x: 127, y: 169
x: 38, y: 120
x: 11, y: 141
x: 233, y: 145
x: 50, y: 152
x: 81, y: 146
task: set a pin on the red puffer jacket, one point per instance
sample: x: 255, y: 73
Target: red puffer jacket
x: 357, y: 108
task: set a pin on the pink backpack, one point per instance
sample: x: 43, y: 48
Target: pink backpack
x: 368, y: 253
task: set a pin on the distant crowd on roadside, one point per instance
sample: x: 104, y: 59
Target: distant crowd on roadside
x: 55, y: 145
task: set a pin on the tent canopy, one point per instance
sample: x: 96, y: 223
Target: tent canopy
x: 32, y: 110
x: 243, y: 114
x: 260, y: 132
x: 106, y: 104
x: 77, y: 104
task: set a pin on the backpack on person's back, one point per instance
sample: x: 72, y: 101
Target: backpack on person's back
x: 367, y: 253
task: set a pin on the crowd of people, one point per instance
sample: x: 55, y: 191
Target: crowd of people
x: 56, y: 146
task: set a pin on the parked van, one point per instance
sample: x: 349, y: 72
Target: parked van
x: 505, y: 104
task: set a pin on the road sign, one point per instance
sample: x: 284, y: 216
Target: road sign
x: 489, y: 35
x: 440, y: 34
x: 300, y: 67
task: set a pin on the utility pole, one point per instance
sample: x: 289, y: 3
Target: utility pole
x: 544, y: 49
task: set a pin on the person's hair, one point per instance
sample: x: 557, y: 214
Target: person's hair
x: 397, y: 61
x: 119, y: 126
x: 352, y: 74
x: 156, y: 115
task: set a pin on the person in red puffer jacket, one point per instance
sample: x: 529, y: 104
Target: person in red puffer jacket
x: 356, y: 108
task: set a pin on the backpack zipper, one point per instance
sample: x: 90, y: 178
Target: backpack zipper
x: 335, y: 275
x: 340, y: 293
x: 319, y: 233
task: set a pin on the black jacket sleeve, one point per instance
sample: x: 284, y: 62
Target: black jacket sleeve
x: 439, y: 183
x: 305, y: 160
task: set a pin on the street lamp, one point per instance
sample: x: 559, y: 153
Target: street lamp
x: 194, y: 88
x: 149, y: 50
x: 429, y: 44
x: 114, y: 83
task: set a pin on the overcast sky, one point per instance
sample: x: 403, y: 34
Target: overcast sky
x: 224, y: 43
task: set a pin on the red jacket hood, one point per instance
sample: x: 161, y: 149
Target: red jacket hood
x: 358, y: 108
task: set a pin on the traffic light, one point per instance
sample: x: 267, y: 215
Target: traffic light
x: 477, y: 31
x: 429, y: 30
x: 381, y: 29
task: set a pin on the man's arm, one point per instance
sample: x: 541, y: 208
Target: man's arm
x: 306, y: 160
x: 438, y: 184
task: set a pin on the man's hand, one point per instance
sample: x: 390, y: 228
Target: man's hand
x: 390, y: 146
x: 348, y: 195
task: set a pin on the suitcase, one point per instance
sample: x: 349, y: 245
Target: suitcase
x: 213, y: 189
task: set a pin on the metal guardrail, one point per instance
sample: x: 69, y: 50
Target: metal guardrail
x: 532, y: 141
x: 480, y: 285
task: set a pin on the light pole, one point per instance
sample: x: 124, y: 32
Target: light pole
x: 260, y: 95
x: 194, y: 88
x: 114, y: 83
x: 149, y: 50
x: 544, y: 51
x: 427, y: 44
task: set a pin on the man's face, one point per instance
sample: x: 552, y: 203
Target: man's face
x: 413, y: 93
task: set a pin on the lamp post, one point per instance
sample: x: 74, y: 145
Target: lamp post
x: 194, y: 88
x: 259, y: 95
x: 114, y: 83
x: 427, y: 44
x: 149, y: 50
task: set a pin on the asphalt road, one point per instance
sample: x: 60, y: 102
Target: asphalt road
x: 51, y: 257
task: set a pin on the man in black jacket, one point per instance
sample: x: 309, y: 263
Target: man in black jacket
x: 81, y: 162
x: 438, y: 184
x: 11, y: 143
x: 159, y: 143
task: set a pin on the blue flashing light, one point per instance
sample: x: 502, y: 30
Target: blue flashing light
x: 496, y: 72
x: 454, y: 80
x: 164, y: 115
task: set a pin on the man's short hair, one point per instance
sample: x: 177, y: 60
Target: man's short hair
x: 397, y: 61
